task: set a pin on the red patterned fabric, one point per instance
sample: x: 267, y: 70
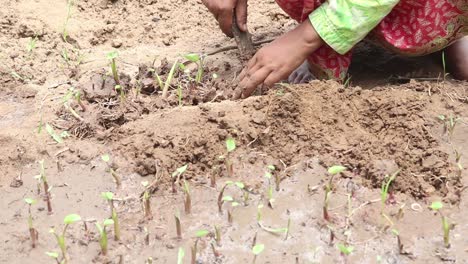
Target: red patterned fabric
x: 414, y: 27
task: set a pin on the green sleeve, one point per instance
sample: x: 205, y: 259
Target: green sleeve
x: 343, y: 23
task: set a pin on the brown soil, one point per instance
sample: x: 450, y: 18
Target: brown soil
x: 386, y: 124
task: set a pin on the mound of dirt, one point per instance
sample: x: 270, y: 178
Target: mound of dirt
x: 372, y: 132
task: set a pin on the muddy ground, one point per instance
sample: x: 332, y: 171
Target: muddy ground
x: 380, y: 124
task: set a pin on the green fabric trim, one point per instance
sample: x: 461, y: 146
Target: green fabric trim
x: 343, y: 23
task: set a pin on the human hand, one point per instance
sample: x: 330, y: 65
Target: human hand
x: 223, y: 10
x: 277, y: 60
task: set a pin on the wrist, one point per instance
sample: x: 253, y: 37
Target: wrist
x: 310, y: 39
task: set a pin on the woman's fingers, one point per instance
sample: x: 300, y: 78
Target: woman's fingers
x: 250, y: 82
x: 241, y: 14
x: 225, y: 22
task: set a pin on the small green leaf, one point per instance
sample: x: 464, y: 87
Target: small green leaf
x: 52, y: 231
x: 258, y: 248
x: 274, y: 230
x: 441, y: 117
x: 268, y: 175
x: 112, y: 55
x: 193, y: 57
x: 230, y: 144
x: 215, y: 76
x: 202, y: 233
x: 50, y: 130
x: 345, y: 249
x: 240, y: 185
x: 52, y: 254
x: 107, y: 195
x: 71, y: 218
x: 234, y: 204
x: 64, y: 134
x: 108, y: 222
x: 180, y: 171
x: 30, y: 201
x: 436, y: 205
x: 105, y: 157
x: 145, y: 183
x: 228, y: 198
x: 336, y: 169
x: 395, y: 232
x: 229, y: 183
x: 271, y: 167
x: 180, y: 256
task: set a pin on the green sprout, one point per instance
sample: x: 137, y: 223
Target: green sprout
x: 167, y: 84
x: 334, y: 170
x: 444, y: 65
x: 180, y: 256
x: 221, y: 197
x: 384, y: 194
x: 188, y: 198
x: 446, y: 226
x: 449, y: 123
x: 75, y: 94
x: 112, y: 56
x: 396, y: 233
x: 176, y: 176
x: 68, y: 220
x: 70, y: 4
x: 199, y: 235
x: 31, y: 44
x: 217, y: 235
x: 115, y: 176
x: 178, y: 225
x: 230, y: 147
x: 197, y: 59
x: 345, y: 250
x: 179, y: 94
x: 109, y: 196
x: 53, y: 255
x: 103, y: 242
x: 43, y: 179
x: 257, y: 250
x: 50, y: 130
x: 146, y: 201
x: 32, y: 231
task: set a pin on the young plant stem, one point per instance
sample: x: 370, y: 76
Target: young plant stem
x: 46, y: 188
x: 115, y: 74
x: 32, y: 231
x: 178, y: 226
x: 147, y: 205
x: 220, y: 199
x: 188, y: 199
x: 116, y: 224
x: 446, y: 228
x: 116, y: 177
x: 217, y: 235
x: 194, y: 252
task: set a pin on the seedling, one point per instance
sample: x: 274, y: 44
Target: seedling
x: 275, y: 231
x: 109, y: 196
x: 345, y: 250
x: 188, y: 198
x: 167, y: 84
x: 69, y: 14
x: 50, y: 130
x: 217, y: 235
x: 384, y: 194
x: 112, y: 56
x: 221, y: 196
x: 68, y: 220
x: 34, y: 235
x: 444, y: 65
x: 230, y: 147
x: 450, y: 123
x: 334, y: 170
x: 396, y: 233
x: 180, y: 256
x: 446, y: 226
x: 146, y: 201
x: 147, y: 236
x: 200, y: 234
x: 43, y: 179
x: 257, y: 250
x: 76, y: 94
x: 179, y: 94
x: 176, y: 176
x: 197, y: 59
x: 53, y: 255
x: 103, y: 235
x: 115, y: 176
x: 269, y: 194
x: 178, y: 225
x: 31, y: 44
